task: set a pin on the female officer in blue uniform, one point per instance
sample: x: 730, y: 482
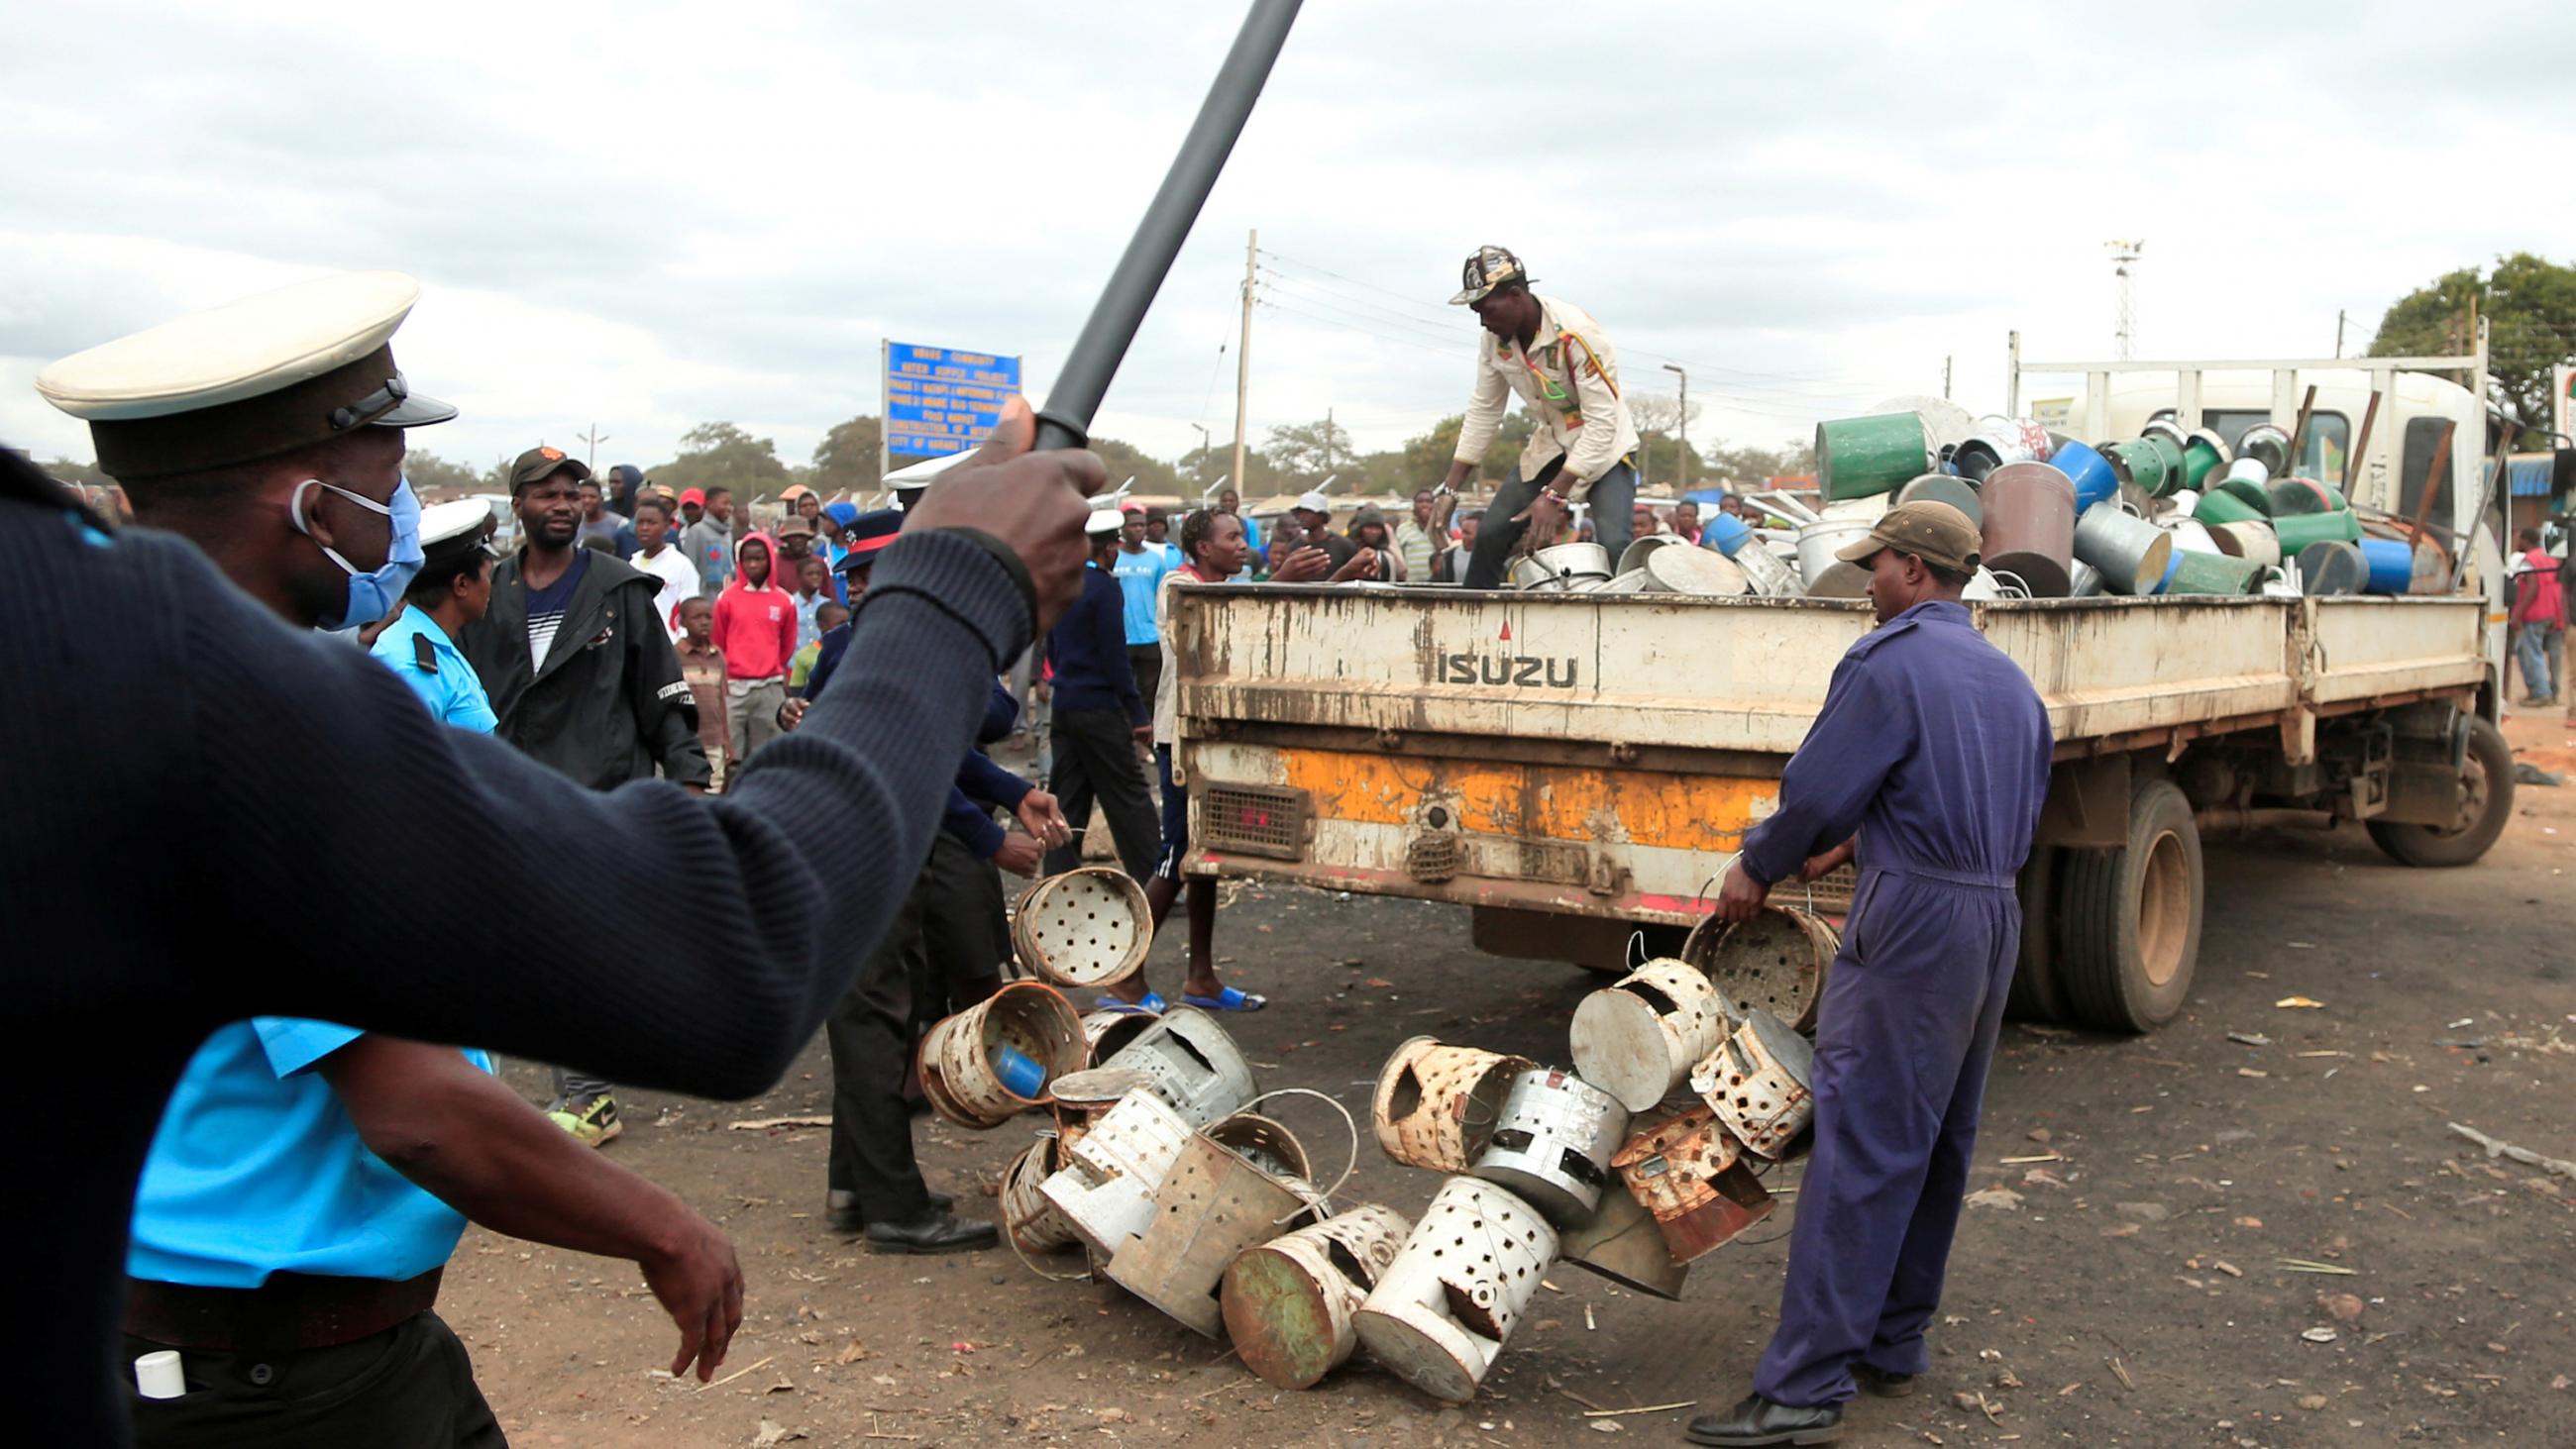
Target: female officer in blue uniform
x: 452, y: 589
x: 1934, y: 747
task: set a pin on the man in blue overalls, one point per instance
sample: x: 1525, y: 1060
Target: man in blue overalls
x: 1933, y: 745
x: 452, y: 590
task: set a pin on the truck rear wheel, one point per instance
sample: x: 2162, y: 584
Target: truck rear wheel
x: 2035, y: 994
x: 2129, y: 918
x: 2485, y: 805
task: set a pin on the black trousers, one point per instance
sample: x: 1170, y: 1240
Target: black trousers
x: 1611, y: 505
x: 1145, y: 661
x: 1095, y: 757
x: 409, y: 1387
x: 965, y: 933
x: 870, y: 1035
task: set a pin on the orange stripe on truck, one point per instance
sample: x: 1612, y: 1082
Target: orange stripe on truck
x: 1555, y: 802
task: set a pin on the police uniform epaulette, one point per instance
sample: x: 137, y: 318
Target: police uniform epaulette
x: 424, y: 655
x: 1877, y: 638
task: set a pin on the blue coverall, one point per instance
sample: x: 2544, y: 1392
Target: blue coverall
x: 1934, y: 746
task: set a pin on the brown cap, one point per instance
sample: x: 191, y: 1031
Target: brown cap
x: 539, y: 463
x: 1933, y: 532
x: 795, y: 523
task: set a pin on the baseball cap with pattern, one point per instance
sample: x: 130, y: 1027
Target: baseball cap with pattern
x: 1931, y: 531
x: 1489, y: 268
x: 542, y: 462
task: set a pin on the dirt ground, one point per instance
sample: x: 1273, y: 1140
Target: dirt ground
x: 2129, y: 1287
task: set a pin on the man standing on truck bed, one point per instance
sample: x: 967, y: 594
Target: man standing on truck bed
x: 1935, y: 748
x: 1567, y: 374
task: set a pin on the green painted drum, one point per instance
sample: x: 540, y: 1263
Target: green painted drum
x: 2203, y: 455
x: 2214, y: 573
x: 2222, y: 506
x: 2176, y: 455
x: 2304, y: 495
x: 2252, y: 494
x: 1863, y: 457
x: 2298, y: 530
x: 2140, y: 463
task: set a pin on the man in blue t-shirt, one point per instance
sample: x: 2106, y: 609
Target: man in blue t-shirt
x: 309, y: 1180
x: 1139, y: 567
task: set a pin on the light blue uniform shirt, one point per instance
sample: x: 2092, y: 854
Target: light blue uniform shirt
x: 1140, y: 577
x: 257, y: 1169
x: 450, y: 687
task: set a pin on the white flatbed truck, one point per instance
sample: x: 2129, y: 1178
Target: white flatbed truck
x: 1577, y: 769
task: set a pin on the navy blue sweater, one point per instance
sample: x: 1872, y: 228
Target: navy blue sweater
x: 217, y: 816
x: 1089, y: 647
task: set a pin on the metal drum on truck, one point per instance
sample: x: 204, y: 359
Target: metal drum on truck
x: 2130, y: 552
x: 1996, y: 442
x: 2092, y: 474
x: 2217, y: 573
x: 2030, y: 526
x: 2389, y: 566
x: 2253, y: 541
x: 1858, y: 457
x: 1942, y: 488
x: 2331, y: 567
x: 2298, y: 530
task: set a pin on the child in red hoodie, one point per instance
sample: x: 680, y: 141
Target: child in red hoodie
x: 755, y: 628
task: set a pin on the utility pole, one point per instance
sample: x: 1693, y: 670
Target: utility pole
x: 593, y: 438
x: 1328, y: 440
x: 2124, y: 330
x: 2339, y: 332
x: 1243, y: 349
x: 1945, y: 376
x: 1681, y: 459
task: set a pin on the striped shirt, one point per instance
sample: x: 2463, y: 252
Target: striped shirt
x: 546, y: 608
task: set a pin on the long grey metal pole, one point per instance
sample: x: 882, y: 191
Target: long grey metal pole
x: 1065, y: 422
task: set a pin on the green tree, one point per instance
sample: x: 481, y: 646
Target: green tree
x: 432, y: 475
x: 1210, y: 466
x: 1747, y: 467
x: 2530, y: 306
x: 846, y: 460
x: 713, y: 454
x: 1311, y: 451
x: 1152, y: 474
x: 1426, y: 456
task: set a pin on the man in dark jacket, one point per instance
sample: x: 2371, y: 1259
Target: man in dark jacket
x: 1100, y: 718
x: 583, y: 677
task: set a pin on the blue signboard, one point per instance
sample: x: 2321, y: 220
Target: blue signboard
x: 939, y: 401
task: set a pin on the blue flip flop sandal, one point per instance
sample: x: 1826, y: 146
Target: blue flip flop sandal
x: 1152, y: 1005
x: 1230, y: 999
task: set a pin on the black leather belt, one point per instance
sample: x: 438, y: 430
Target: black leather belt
x: 301, y: 1310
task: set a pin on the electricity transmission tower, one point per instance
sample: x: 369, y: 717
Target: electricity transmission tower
x: 2124, y: 328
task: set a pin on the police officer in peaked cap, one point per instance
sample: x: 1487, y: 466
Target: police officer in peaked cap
x: 211, y: 803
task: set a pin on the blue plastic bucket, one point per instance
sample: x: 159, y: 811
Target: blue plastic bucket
x: 2089, y: 471
x: 1724, y: 532
x: 2391, y: 563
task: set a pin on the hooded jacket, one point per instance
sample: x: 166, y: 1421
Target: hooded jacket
x: 610, y: 703
x: 756, y: 627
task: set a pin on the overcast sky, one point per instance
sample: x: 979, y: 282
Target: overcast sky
x: 650, y: 216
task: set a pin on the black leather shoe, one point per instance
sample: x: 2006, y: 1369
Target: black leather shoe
x: 1758, y: 1421
x: 841, y: 1209
x: 936, y: 1231
x: 1882, y: 1383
